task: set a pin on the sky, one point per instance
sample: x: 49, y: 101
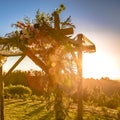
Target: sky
x: 98, y: 20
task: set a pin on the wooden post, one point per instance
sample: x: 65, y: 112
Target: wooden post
x: 56, y: 20
x: 1, y: 96
x: 2, y: 86
x: 58, y: 106
x: 80, y: 91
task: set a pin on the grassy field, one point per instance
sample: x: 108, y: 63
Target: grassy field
x: 26, y: 110
x: 36, y: 110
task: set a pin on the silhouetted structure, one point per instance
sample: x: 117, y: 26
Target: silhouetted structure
x: 82, y: 43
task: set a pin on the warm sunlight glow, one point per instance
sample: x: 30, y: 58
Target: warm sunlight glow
x: 105, y: 61
x: 95, y: 65
x: 99, y: 65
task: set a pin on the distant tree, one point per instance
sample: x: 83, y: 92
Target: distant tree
x: 17, y: 77
x: 37, y: 81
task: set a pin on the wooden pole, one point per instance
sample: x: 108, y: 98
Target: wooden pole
x: 56, y: 21
x: 58, y: 106
x: 80, y: 91
x: 1, y: 96
x: 2, y: 86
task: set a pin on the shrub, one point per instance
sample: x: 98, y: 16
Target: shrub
x: 18, y: 90
x: 111, y: 103
x: 34, y: 97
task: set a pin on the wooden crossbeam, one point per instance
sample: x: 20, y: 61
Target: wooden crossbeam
x: 36, y: 60
x: 15, y: 65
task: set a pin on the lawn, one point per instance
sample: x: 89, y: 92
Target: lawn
x: 26, y: 110
x: 36, y: 110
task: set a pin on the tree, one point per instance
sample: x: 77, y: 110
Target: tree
x: 17, y: 77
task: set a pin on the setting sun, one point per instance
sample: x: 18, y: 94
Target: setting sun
x: 99, y: 65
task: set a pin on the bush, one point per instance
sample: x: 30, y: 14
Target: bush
x: 18, y: 90
x: 111, y: 103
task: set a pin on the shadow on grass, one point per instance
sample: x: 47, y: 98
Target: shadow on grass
x: 32, y: 104
x: 47, y: 116
x: 36, y: 111
x: 9, y: 102
x: 21, y: 104
x: 40, y: 113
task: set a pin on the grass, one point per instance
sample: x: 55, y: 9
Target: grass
x: 26, y: 110
x: 36, y: 110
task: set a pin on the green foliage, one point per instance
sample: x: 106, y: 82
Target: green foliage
x: 16, y: 78
x: 27, y: 20
x: 16, y: 91
x: 34, y: 98
x: 102, y: 92
x: 113, y: 101
x: 42, y: 19
x: 67, y: 23
x: 94, y: 96
x: 62, y: 7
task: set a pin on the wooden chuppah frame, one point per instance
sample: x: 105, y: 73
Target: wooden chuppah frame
x: 79, y: 42
x: 38, y: 62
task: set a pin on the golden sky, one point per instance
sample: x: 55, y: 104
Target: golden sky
x: 98, y: 20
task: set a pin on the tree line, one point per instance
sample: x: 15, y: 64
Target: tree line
x: 102, y: 92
